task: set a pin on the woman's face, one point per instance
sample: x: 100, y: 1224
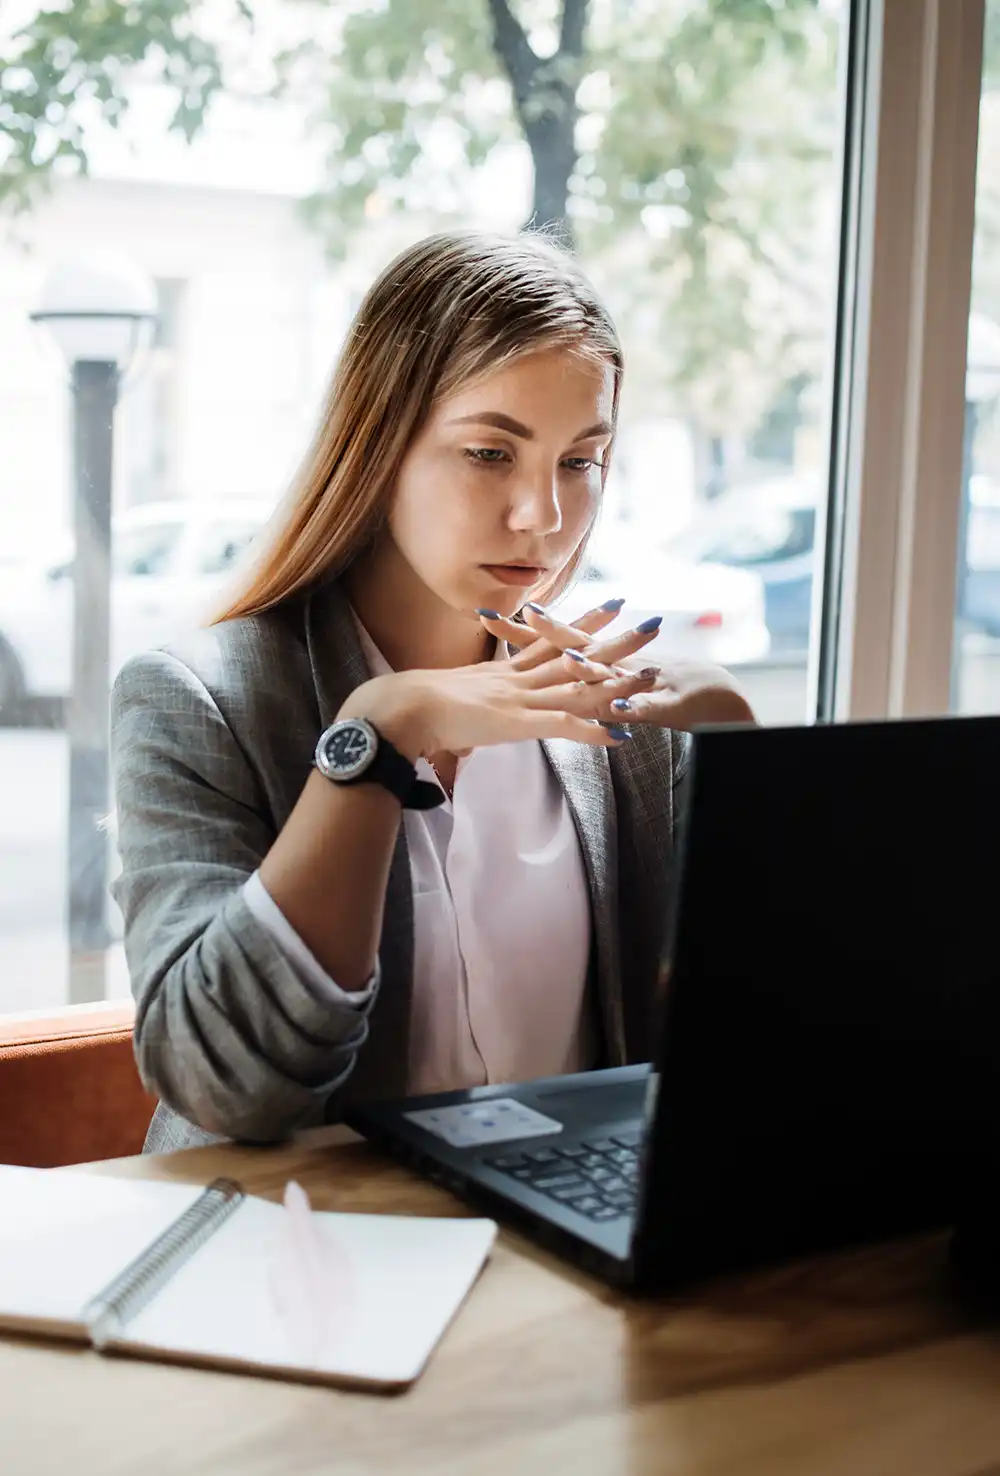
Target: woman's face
x: 504, y: 481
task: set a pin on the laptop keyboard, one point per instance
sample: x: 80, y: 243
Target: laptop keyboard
x: 598, y: 1177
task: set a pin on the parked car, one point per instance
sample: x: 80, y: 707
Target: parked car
x: 710, y: 613
x: 770, y: 527
x: 170, y: 561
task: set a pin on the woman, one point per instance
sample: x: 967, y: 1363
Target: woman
x: 377, y: 836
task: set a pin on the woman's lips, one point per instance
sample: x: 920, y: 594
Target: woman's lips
x: 514, y: 574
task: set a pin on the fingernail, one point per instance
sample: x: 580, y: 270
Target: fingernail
x: 649, y: 672
x: 619, y: 733
x: 610, y: 605
x: 574, y: 655
x: 538, y: 609
x: 622, y: 704
x: 489, y: 614
x: 648, y: 626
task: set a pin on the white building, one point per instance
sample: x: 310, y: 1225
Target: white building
x: 251, y: 320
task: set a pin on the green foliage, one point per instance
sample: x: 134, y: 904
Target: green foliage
x: 74, y: 63
x: 687, y: 147
x: 703, y: 182
x: 715, y: 179
x: 402, y: 68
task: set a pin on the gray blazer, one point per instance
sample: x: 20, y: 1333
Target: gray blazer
x: 212, y: 741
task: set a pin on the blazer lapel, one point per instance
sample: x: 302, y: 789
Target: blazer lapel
x: 338, y: 667
x: 584, y: 775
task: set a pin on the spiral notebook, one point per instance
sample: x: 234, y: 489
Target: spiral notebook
x: 219, y: 1277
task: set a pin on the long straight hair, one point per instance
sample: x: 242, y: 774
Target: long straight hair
x: 448, y: 311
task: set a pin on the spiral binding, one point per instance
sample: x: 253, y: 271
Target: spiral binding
x: 109, y: 1312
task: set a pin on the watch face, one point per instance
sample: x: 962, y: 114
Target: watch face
x: 346, y: 749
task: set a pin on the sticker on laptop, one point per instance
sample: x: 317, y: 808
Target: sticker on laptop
x: 471, y: 1124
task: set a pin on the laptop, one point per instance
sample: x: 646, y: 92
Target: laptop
x: 828, y: 1067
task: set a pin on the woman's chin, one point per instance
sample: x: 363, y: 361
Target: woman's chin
x: 486, y: 594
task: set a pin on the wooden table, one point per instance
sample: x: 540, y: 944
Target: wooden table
x: 855, y: 1366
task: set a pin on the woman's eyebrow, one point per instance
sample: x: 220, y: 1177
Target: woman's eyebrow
x: 499, y: 421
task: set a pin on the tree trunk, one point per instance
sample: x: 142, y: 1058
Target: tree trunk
x: 552, y: 141
x: 545, y: 103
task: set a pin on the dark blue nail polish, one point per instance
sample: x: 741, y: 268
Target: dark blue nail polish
x: 489, y: 614
x: 610, y: 605
x: 574, y: 655
x: 538, y: 609
x: 622, y: 704
x: 648, y: 626
x: 620, y: 734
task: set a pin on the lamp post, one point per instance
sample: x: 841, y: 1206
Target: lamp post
x: 99, y: 313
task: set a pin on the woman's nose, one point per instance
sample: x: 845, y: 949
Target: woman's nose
x: 537, y: 507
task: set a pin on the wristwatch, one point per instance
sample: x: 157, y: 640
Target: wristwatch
x: 353, y: 751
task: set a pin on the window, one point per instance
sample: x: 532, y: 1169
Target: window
x: 697, y: 168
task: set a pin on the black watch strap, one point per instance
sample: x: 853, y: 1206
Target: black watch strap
x: 396, y: 774
x: 383, y: 764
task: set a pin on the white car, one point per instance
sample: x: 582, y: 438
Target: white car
x: 170, y: 562
x: 710, y: 612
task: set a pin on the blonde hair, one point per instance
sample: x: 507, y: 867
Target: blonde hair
x: 447, y: 311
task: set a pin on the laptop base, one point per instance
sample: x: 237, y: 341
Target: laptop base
x: 572, y: 1189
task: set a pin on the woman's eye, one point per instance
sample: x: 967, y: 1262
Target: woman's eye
x: 486, y: 455
x: 497, y: 456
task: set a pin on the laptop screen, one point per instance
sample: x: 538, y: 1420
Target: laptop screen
x: 830, y: 1067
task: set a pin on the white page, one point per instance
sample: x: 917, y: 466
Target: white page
x: 403, y: 1280
x: 63, y: 1236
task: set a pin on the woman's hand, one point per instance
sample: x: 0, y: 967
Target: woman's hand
x: 677, y: 694
x: 546, y: 691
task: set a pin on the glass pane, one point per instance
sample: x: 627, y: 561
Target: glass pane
x: 257, y: 176
x: 976, y: 676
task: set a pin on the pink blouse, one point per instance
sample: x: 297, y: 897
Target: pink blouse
x: 501, y: 914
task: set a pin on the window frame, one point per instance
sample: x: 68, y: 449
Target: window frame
x: 884, y: 631
x: 884, y: 612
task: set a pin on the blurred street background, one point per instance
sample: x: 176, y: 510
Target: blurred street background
x: 241, y: 170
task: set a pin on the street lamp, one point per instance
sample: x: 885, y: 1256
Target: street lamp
x: 99, y: 314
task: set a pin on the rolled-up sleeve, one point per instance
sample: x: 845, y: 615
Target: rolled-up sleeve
x: 231, y: 1031
x: 270, y: 916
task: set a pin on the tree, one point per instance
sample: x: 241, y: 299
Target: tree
x: 71, y: 64
x: 544, y: 93
x: 685, y: 146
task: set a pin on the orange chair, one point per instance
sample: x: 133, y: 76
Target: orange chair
x: 69, y: 1088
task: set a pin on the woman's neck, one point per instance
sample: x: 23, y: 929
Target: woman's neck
x: 408, y: 623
